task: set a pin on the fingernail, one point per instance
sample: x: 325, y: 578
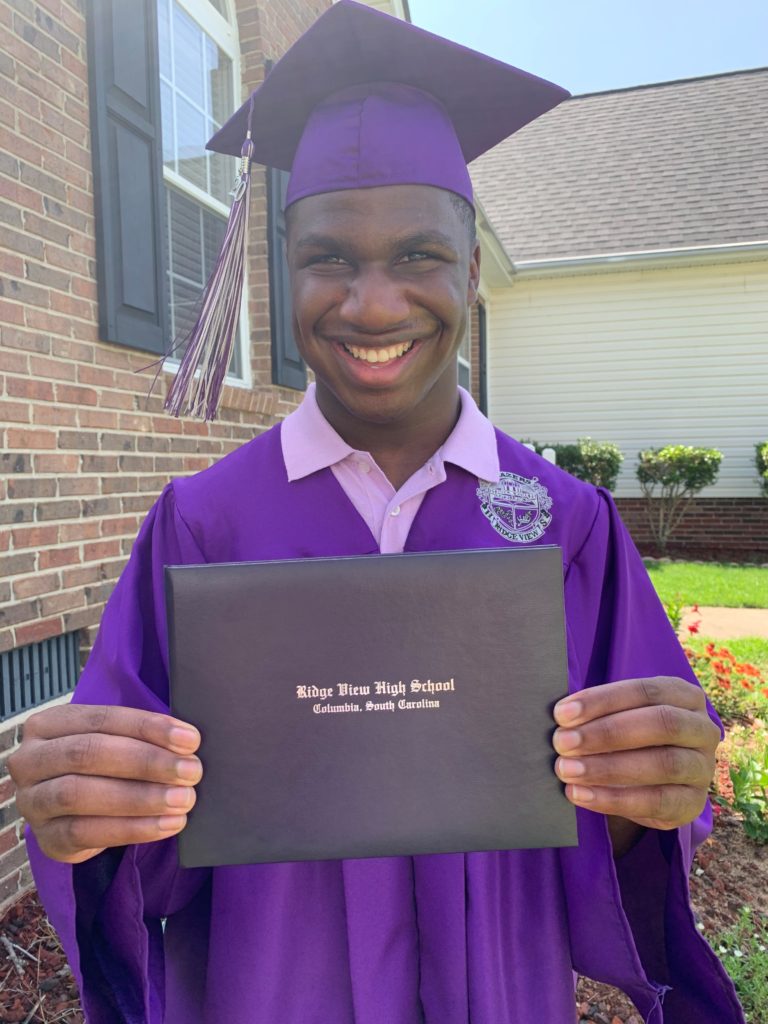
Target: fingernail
x: 583, y: 795
x: 171, y: 823
x: 179, y: 796
x: 570, y: 768
x: 568, y: 710
x: 180, y: 736
x: 189, y: 769
x: 567, y: 739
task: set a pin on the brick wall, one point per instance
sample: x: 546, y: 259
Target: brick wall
x: 83, y: 451
x: 720, y: 529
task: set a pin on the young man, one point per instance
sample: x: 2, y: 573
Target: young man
x: 384, y: 455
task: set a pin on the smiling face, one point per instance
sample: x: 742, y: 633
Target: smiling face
x: 381, y: 282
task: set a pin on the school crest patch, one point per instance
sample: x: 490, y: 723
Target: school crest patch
x: 517, y: 508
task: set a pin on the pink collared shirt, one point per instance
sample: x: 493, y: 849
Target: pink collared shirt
x: 310, y: 444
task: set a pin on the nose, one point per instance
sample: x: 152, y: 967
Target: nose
x: 375, y: 303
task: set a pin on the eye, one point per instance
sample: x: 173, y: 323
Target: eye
x: 326, y: 260
x: 418, y: 256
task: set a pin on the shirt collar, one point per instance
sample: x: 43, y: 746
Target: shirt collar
x: 310, y: 443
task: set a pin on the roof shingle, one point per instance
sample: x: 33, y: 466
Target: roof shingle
x: 664, y: 166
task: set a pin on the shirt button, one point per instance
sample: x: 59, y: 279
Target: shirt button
x: 395, y: 511
x: 364, y: 467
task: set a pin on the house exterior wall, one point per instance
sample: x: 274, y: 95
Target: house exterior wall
x: 672, y: 355
x: 83, y: 451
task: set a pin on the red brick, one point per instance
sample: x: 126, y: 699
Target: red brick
x: 53, y: 557
x: 31, y: 487
x: 14, y: 412
x: 100, y: 549
x: 31, y: 439
x: 25, y: 387
x: 78, y: 351
x: 35, y: 536
x: 13, y: 362
x: 82, y: 530
x: 41, y: 366
x: 100, y: 418
x: 56, y: 462
x: 19, y: 611
x: 63, y: 602
x: 67, y: 509
x: 37, y: 631
x: 33, y: 586
x: 13, y: 565
x: 55, y: 415
x: 82, y: 617
x: 79, y: 577
x: 76, y: 395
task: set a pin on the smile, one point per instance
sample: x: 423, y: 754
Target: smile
x: 379, y: 355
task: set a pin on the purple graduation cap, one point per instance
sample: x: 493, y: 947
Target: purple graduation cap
x: 361, y: 100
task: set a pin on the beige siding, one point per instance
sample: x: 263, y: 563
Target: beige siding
x: 642, y: 357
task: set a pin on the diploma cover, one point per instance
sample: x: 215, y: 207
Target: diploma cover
x: 371, y: 706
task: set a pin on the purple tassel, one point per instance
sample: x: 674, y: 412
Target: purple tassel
x: 196, y: 388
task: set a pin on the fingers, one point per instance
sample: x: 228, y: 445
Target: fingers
x: 654, y: 766
x: 663, y: 725
x: 104, y: 755
x: 76, y: 839
x: 77, y: 795
x: 610, y: 698
x: 663, y: 807
x: 148, y: 726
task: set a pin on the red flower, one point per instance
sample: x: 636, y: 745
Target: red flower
x: 693, y: 627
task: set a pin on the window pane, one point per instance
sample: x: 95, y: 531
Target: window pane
x: 186, y: 244
x: 184, y: 300
x: 464, y: 379
x: 164, y: 37
x: 188, y: 57
x: 190, y: 140
x: 166, y: 111
x: 219, y: 76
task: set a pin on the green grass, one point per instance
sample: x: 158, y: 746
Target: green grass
x: 743, y: 950
x: 710, y: 583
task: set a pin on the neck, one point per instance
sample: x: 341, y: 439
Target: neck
x: 400, y: 446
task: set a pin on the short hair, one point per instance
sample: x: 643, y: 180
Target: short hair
x: 467, y: 215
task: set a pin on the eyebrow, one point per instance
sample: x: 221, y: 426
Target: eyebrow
x: 320, y: 241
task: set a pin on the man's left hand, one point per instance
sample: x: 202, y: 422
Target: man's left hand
x: 639, y: 749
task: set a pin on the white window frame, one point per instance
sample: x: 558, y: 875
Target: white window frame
x: 224, y: 35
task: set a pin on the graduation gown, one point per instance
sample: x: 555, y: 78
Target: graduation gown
x: 486, y: 938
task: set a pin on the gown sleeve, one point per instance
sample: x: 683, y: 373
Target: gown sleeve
x: 639, y: 903
x: 108, y: 911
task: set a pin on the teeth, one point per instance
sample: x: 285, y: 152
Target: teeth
x: 379, y: 355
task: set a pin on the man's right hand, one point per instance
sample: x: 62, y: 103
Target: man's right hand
x: 89, y: 777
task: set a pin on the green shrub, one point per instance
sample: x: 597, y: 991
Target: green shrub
x: 743, y: 950
x: 761, y: 462
x: 669, y: 477
x: 737, y: 689
x: 596, y: 462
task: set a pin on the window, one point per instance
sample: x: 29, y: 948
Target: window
x: 465, y: 352
x: 198, y: 53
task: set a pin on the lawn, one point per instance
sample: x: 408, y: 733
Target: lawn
x: 710, y: 583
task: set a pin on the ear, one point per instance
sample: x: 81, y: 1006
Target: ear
x: 474, y: 275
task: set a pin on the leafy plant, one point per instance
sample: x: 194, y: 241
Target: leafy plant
x: 743, y: 950
x: 674, y: 606
x: 761, y: 463
x: 596, y: 462
x: 750, y: 795
x: 669, y: 477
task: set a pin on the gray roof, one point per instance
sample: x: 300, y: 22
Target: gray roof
x: 654, y: 167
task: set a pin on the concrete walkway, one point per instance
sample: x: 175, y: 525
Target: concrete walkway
x: 728, y: 623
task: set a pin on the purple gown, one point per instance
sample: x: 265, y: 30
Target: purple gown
x: 486, y: 938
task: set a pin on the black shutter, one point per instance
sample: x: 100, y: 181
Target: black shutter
x: 127, y: 170
x: 287, y: 366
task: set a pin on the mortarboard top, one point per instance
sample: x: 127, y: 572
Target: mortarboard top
x: 365, y: 99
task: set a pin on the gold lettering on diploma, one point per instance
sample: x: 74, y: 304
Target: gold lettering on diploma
x: 395, y: 693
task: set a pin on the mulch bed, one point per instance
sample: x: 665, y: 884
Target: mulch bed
x: 730, y: 872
